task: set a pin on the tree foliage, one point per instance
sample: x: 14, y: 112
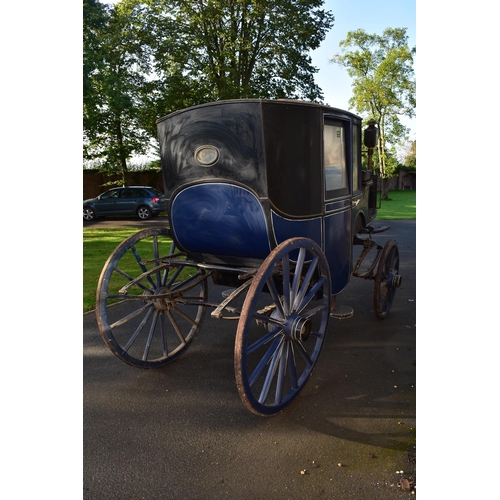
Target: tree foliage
x: 116, y: 64
x: 384, y: 87
x: 146, y: 58
x: 250, y: 48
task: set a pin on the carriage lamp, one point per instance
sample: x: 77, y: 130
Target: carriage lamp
x: 370, y: 139
x: 371, y: 134
x: 206, y: 155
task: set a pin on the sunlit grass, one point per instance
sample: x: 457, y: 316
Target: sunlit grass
x: 98, y: 244
x: 401, y: 205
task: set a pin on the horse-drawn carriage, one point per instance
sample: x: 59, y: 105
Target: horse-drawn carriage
x: 267, y: 199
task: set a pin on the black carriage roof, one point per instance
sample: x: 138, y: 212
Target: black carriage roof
x: 271, y: 146
x: 293, y: 102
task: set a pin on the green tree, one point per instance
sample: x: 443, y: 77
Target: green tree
x: 384, y: 86
x: 241, y: 48
x: 116, y: 65
x: 146, y: 58
x: 95, y: 18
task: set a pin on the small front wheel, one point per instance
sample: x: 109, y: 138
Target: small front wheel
x: 282, y: 326
x: 387, y: 279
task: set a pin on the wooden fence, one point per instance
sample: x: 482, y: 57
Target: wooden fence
x: 95, y: 182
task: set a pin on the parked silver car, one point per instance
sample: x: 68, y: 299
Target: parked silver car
x: 142, y: 201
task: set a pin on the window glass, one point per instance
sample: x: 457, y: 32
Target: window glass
x: 334, y: 157
x: 110, y: 194
x: 129, y: 193
x: 355, y: 156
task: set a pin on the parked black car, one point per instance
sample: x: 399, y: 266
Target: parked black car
x: 143, y: 201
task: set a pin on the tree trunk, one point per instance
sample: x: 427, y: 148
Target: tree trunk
x: 123, y: 157
x: 384, y: 189
x: 124, y: 172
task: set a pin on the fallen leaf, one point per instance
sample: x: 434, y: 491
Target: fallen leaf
x: 405, y: 484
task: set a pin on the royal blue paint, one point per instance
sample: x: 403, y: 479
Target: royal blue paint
x: 220, y: 219
x: 290, y: 228
x: 338, y: 248
x: 335, y: 241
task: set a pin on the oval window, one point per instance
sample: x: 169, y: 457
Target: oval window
x: 206, y: 155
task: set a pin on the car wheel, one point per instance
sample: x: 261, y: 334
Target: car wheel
x: 144, y: 213
x: 88, y: 213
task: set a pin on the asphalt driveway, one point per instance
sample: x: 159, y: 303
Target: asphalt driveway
x: 181, y: 432
x: 158, y: 221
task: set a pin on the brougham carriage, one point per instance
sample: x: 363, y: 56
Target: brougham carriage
x: 266, y: 198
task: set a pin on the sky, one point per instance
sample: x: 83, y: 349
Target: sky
x: 374, y: 18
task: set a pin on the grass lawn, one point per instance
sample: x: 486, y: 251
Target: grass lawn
x: 401, y: 205
x: 97, y: 247
x: 99, y: 243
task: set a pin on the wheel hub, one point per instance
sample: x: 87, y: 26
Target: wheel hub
x: 162, y: 303
x: 295, y: 327
x: 394, y: 280
x: 298, y: 328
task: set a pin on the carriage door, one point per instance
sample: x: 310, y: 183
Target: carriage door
x: 337, y: 200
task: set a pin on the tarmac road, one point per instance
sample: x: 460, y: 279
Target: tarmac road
x: 181, y: 432
x: 158, y: 221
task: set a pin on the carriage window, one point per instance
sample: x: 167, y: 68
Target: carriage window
x: 335, y: 159
x: 355, y: 156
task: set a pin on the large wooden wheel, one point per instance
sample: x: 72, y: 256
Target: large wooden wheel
x: 282, y: 326
x: 387, y: 279
x: 149, y: 309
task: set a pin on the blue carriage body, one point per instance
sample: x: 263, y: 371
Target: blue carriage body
x: 242, y: 176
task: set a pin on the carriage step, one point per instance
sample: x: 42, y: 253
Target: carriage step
x: 374, y: 230
x: 342, y: 312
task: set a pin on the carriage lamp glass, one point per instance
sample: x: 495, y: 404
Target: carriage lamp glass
x: 206, y: 155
